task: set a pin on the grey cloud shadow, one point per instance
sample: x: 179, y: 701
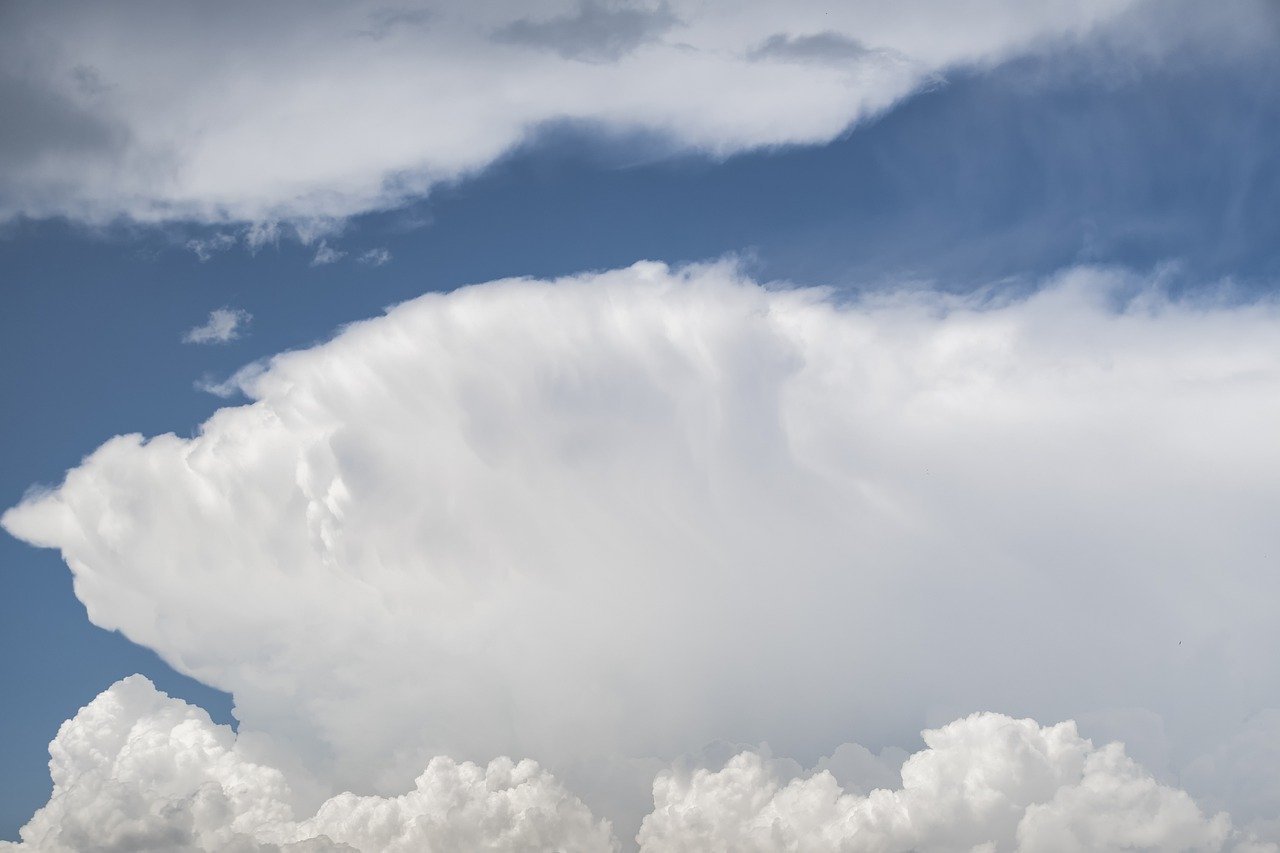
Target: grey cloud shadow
x: 596, y: 32
x: 40, y: 122
x: 385, y: 21
x: 826, y: 46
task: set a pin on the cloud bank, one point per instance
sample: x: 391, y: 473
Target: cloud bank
x: 136, y: 770
x: 306, y: 113
x: 986, y: 782
x: 615, y: 517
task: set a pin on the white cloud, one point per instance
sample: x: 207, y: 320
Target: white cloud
x: 206, y: 247
x: 223, y: 326
x: 987, y: 782
x: 137, y: 770
x: 326, y: 254
x: 624, y: 514
x: 303, y: 114
x: 234, y: 384
x: 375, y: 257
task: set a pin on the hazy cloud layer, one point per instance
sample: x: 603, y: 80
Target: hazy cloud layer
x: 136, y: 770
x: 625, y: 514
x: 308, y: 113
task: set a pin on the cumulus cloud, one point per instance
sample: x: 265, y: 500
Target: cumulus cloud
x: 987, y: 782
x: 223, y: 326
x: 621, y: 515
x: 297, y: 114
x: 138, y: 770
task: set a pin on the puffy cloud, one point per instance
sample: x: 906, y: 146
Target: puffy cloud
x: 223, y: 326
x: 305, y: 114
x: 621, y: 515
x: 987, y: 782
x: 137, y: 770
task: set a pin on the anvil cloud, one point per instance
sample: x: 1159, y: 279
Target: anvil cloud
x: 602, y: 521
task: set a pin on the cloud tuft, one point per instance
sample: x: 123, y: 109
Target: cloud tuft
x: 375, y: 257
x: 326, y: 254
x: 223, y: 326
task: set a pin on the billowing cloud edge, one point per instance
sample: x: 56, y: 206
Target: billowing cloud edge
x: 138, y: 770
x: 593, y: 444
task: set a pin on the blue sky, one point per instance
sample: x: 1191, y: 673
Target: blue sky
x: 1082, y: 153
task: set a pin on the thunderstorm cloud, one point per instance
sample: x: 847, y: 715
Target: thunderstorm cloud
x: 603, y: 521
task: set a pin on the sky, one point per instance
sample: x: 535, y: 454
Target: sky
x: 662, y: 426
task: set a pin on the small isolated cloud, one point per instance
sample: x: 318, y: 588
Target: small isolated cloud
x: 375, y: 257
x: 223, y: 326
x: 593, y: 33
x: 326, y: 254
x: 206, y: 247
x: 822, y: 47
